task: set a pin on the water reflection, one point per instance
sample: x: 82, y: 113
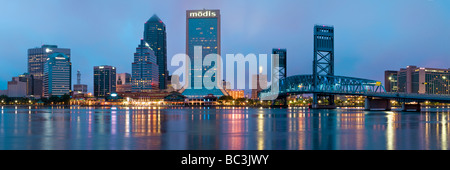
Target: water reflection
x: 228, y: 128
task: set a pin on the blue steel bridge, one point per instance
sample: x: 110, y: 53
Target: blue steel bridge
x: 341, y: 85
x: 324, y: 84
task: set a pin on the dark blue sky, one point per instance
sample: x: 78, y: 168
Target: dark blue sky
x: 370, y: 35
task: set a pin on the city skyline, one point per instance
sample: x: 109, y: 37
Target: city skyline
x: 376, y: 36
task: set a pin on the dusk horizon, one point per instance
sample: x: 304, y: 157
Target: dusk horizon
x: 370, y: 37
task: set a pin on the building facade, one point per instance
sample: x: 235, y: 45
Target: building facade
x: 236, y: 94
x: 155, y: 36
x: 144, y: 76
x: 123, y: 82
x: 24, y: 86
x: 390, y: 81
x: 413, y: 79
x: 57, y: 75
x: 17, y: 87
x: 104, y: 81
x: 38, y: 56
x: 203, y: 34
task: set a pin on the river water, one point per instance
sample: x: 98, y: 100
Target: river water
x: 227, y: 128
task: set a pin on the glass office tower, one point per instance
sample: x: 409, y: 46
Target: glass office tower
x: 104, y: 81
x: 155, y: 36
x: 36, y: 60
x: 144, y: 76
x: 38, y: 56
x: 57, y: 75
x: 202, y: 30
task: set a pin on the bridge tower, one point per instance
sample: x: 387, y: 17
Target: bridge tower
x: 323, y: 63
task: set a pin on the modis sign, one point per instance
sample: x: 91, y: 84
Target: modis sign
x: 202, y: 14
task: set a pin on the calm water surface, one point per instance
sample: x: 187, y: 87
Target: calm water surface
x: 181, y: 128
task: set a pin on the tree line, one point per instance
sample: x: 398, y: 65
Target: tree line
x: 53, y: 100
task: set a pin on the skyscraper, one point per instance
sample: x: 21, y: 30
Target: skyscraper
x: 144, y: 76
x: 203, y: 32
x: 36, y: 60
x: 57, y: 75
x: 38, y: 56
x: 155, y: 36
x: 104, y: 81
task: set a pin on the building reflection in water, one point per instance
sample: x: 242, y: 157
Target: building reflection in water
x: 238, y: 128
x: 234, y: 129
x: 436, y: 130
x: 146, y: 124
x: 391, y: 129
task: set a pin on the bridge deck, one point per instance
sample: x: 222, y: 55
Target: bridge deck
x: 340, y: 85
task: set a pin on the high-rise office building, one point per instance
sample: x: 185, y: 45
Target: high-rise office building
x: 36, y: 60
x: 203, y: 33
x: 144, y: 76
x: 57, y: 75
x: 104, y: 81
x: 413, y: 79
x: 155, y: 36
x: 79, y: 88
x: 38, y: 56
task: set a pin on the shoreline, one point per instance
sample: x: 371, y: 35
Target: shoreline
x: 197, y: 106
